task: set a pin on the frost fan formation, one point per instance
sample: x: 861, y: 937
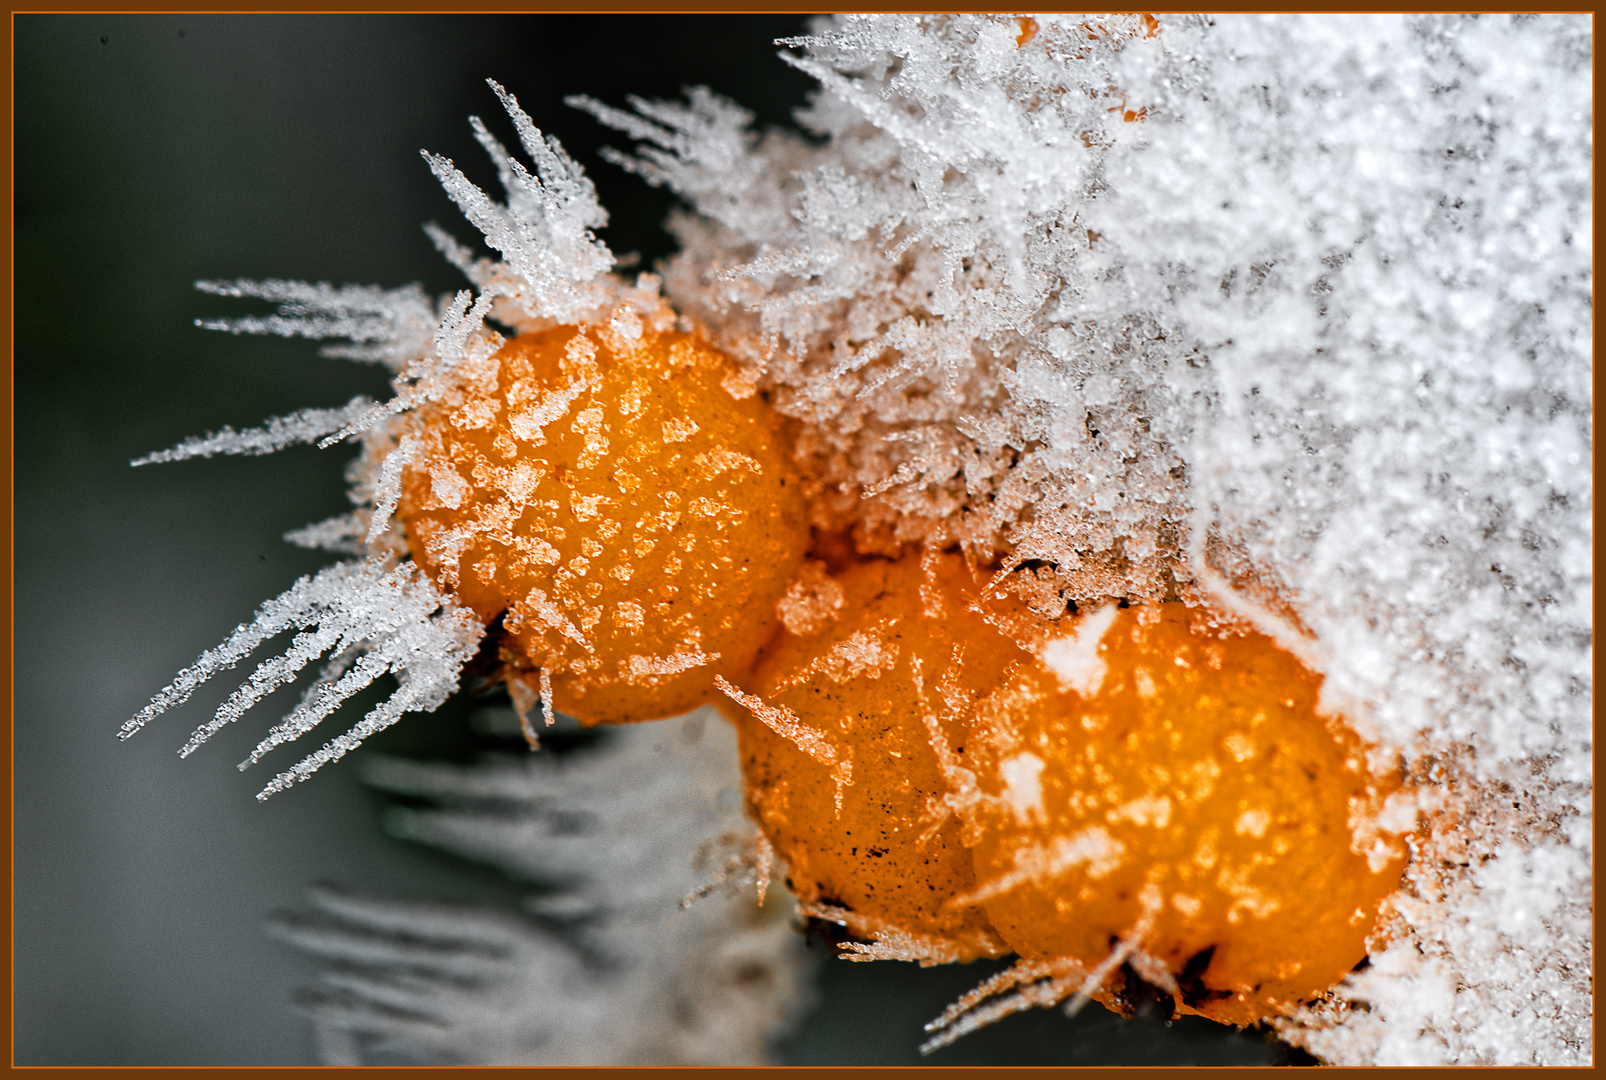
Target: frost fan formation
x: 1288, y: 315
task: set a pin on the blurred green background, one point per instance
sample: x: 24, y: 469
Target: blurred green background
x: 155, y: 150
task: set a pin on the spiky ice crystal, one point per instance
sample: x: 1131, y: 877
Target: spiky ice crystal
x: 373, y: 618
x: 1286, y: 315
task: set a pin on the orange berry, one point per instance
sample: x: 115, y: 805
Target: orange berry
x: 837, y: 742
x: 625, y: 498
x: 1156, y: 783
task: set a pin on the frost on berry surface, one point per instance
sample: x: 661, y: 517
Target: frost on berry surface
x: 612, y: 965
x: 378, y: 614
x: 1289, y: 315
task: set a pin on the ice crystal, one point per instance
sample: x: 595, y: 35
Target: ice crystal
x: 552, y: 262
x: 1023, y: 985
x: 811, y: 740
x: 374, y: 618
x: 894, y: 283
x: 1290, y: 315
x: 384, y: 326
x: 614, y: 969
x: 302, y: 426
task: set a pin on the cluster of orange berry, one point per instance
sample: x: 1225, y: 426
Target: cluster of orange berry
x: 943, y: 771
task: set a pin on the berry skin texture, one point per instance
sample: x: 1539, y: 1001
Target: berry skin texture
x: 953, y: 777
x: 628, y: 502
x: 870, y: 663
x: 1154, y: 782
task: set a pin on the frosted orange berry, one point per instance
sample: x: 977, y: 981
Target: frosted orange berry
x: 1155, y: 783
x: 625, y: 498
x: 856, y: 721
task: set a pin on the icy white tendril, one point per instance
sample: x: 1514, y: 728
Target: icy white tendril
x: 374, y: 619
